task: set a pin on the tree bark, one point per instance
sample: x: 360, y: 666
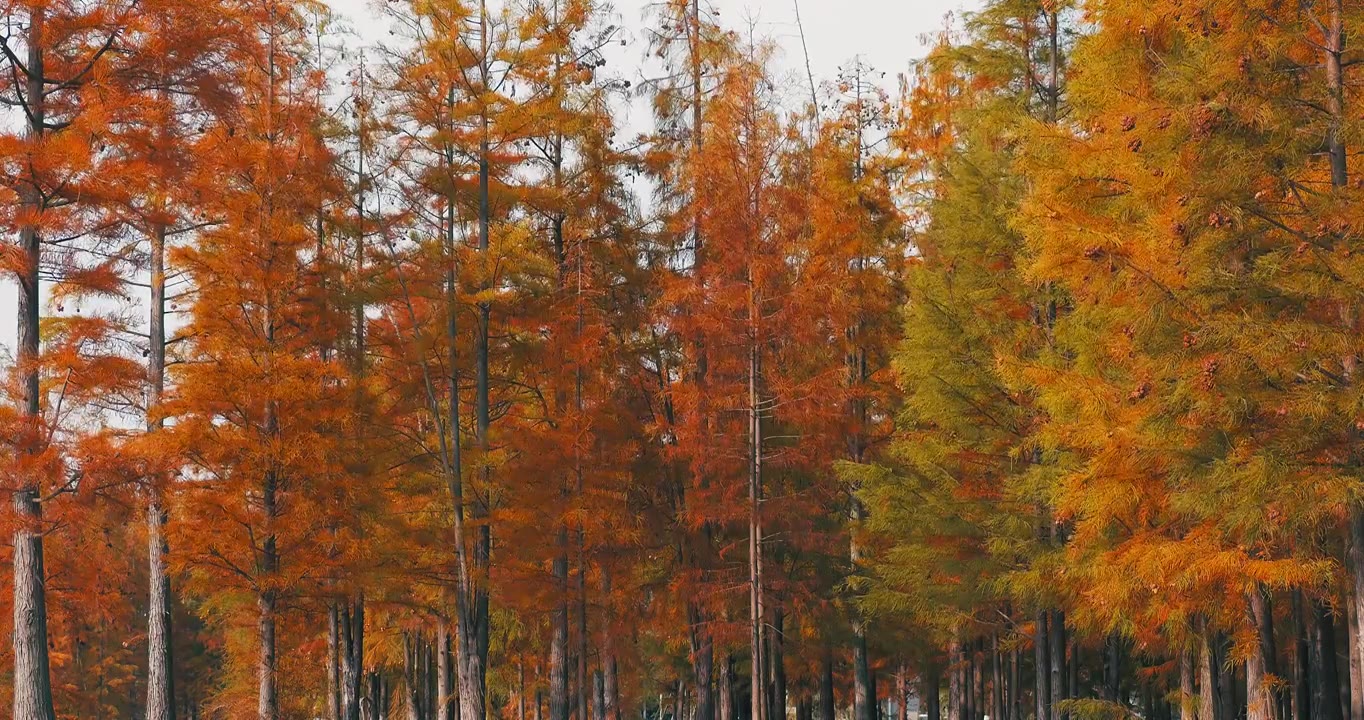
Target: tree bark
x: 333, y: 662
x: 1057, y: 646
x: 826, y: 683
x: 1188, y: 695
x: 160, y: 661
x: 32, y: 677
x: 160, y: 674
x: 1042, y: 665
x: 777, y: 641
x: 1207, y: 680
x: 955, y: 691
x: 726, y: 689
x: 1356, y: 669
x: 558, y: 641
x: 352, y: 657
x: 446, y: 703
x: 1262, y: 703
x: 1324, y: 674
x: 1302, y: 684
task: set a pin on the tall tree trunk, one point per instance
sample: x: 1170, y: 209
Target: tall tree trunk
x: 726, y: 689
x: 1356, y: 669
x: 333, y: 662
x: 777, y: 662
x: 1015, y: 685
x: 1324, y: 673
x: 267, y: 707
x: 1262, y: 702
x: 160, y: 662
x: 901, y: 692
x: 968, y: 681
x: 352, y: 657
x: 32, y: 678
x: 1207, y: 679
x: 412, y: 676
x: 1188, y: 694
x: 933, y: 691
x: 1356, y: 559
x: 558, y: 641
x: 997, y: 698
x: 1226, y: 677
x: 1302, y: 684
x: 446, y: 703
x: 1057, y: 646
x: 612, y: 689
x: 1042, y: 665
x: 598, y: 695
x: 826, y: 683
x: 1112, y: 687
x: 956, y: 691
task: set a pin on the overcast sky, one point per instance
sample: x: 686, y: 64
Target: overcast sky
x: 887, y: 34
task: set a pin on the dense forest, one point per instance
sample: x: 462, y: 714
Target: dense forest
x: 413, y: 382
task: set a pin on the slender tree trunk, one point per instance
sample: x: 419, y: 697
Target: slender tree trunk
x: 726, y: 689
x: 777, y: 641
x: 1356, y: 559
x: 1356, y: 670
x: 1302, y: 685
x: 598, y: 695
x: 352, y: 658
x: 997, y: 698
x: 901, y: 692
x: 446, y: 703
x: 956, y: 689
x: 1057, y: 645
x: 1226, y: 677
x: 612, y: 689
x: 1042, y: 665
x: 1261, y: 665
x: 1188, y: 695
x: 1264, y: 702
x: 160, y: 662
x: 968, y: 681
x: 558, y: 641
x: 826, y: 683
x: 333, y: 662
x: 1207, y: 680
x: 1015, y: 685
x: 1325, y: 701
x: 412, y: 676
x: 933, y: 691
x: 32, y: 678
x: 266, y: 669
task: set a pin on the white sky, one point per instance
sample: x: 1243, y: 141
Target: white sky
x: 884, y: 34
x: 887, y: 34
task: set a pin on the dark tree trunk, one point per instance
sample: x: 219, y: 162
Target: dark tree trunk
x: 826, y: 684
x: 933, y: 692
x: 1325, y: 701
x: 1042, y: 665
x: 1057, y: 645
x: 777, y: 642
x: 864, y: 697
x: 333, y: 662
x: 726, y: 689
x: 1302, y: 686
x: 352, y: 658
x: 558, y: 641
